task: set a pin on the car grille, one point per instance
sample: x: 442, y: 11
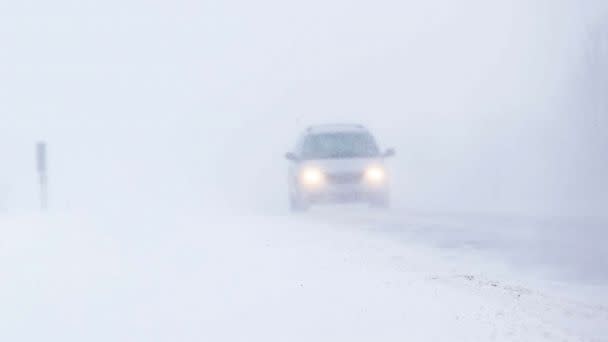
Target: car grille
x: 345, y: 178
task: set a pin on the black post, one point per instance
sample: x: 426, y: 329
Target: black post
x: 41, y: 166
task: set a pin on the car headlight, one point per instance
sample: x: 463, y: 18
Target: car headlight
x: 312, y: 176
x: 375, y: 175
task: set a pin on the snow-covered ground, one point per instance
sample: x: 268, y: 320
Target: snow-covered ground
x: 567, y: 250
x: 324, y: 276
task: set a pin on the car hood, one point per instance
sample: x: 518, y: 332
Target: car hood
x: 345, y: 165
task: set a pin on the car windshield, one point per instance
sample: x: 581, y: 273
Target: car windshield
x: 339, y: 145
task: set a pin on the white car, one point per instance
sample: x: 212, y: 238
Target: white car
x: 337, y: 163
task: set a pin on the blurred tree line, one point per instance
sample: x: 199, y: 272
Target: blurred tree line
x: 596, y: 78
x: 589, y: 110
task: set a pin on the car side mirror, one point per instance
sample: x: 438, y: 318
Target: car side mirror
x: 291, y: 156
x: 389, y: 153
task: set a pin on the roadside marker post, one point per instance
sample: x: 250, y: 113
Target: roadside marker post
x: 41, y: 165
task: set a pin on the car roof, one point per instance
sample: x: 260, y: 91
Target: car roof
x: 334, y: 128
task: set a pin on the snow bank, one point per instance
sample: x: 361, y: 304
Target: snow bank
x: 234, y: 278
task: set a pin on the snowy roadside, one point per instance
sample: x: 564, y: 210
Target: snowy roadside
x: 198, y: 277
x: 563, y: 256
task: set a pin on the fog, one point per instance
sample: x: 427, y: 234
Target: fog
x: 167, y: 124
x: 161, y: 104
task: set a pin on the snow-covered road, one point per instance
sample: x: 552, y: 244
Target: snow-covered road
x: 317, y: 277
x: 561, y: 249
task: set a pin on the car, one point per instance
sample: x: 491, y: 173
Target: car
x: 338, y: 163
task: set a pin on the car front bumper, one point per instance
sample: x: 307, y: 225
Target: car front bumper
x: 342, y: 193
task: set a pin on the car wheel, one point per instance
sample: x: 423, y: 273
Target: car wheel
x: 381, y: 202
x: 297, y: 204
